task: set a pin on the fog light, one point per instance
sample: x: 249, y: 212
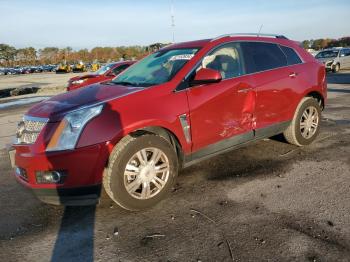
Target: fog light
x: 49, y: 177
x: 22, y: 173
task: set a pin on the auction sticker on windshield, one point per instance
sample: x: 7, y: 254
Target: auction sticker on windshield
x: 181, y: 57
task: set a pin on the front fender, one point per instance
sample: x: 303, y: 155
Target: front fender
x: 109, y: 127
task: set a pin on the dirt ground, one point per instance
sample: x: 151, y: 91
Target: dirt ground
x: 268, y: 201
x: 41, y: 80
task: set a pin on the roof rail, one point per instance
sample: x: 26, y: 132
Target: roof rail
x: 250, y: 34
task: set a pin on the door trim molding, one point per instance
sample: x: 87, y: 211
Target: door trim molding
x: 234, y: 142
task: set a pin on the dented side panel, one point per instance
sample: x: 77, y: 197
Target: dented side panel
x: 220, y: 111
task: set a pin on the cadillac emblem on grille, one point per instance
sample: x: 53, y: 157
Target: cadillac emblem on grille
x: 29, y: 129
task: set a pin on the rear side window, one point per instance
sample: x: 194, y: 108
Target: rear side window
x: 263, y: 56
x: 292, y: 56
x: 345, y: 52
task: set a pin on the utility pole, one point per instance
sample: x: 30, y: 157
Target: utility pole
x: 260, y: 29
x: 172, y: 16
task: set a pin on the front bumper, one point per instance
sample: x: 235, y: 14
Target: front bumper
x: 83, y: 168
x: 79, y: 196
x: 329, y: 66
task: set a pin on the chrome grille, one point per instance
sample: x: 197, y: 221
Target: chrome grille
x: 29, y: 129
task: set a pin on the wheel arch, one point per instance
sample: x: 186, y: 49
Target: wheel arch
x: 318, y: 96
x: 166, y: 134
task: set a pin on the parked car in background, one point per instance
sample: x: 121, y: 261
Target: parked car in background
x: 11, y: 71
x: 49, y: 68
x: 105, y: 73
x: 335, y: 59
x: 182, y: 104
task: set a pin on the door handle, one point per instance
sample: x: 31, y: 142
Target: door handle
x: 293, y: 75
x: 245, y: 90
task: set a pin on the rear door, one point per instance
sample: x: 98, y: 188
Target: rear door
x: 274, y: 82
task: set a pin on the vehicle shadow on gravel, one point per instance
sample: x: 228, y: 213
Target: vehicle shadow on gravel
x: 75, y: 238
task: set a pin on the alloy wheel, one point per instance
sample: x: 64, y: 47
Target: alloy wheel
x: 146, y: 173
x: 309, y: 122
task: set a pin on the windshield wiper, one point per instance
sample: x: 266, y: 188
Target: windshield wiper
x: 124, y: 83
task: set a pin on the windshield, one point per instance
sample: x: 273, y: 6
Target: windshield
x: 327, y: 54
x: 103, y: 70
x: 157, y: 68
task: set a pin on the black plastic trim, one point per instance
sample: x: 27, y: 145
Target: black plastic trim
x: 79, y: 196
x: 234, y: 143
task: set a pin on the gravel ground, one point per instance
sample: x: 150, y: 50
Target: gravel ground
x: 267, y: 201
x: 41, y: 80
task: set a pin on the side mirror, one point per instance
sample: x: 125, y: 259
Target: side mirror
x: 342, y: 55
x: 206, y: 76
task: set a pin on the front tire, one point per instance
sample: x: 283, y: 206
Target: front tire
x: 141, y: 171
x: 305, y: 125
x: 336, y: 68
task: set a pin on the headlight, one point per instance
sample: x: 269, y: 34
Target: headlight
x: 328, y: 63
x: 68, y: 131
x: 77, y: 82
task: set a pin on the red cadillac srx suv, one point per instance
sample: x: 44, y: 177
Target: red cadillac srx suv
x: 182, y: 104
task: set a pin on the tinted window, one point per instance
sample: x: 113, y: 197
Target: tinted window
x: 327, y: 54
x: 346, y: 52
x: 120, y: 69
x: 226, y: 59
x: 292, y: 57
x: 262, y: 56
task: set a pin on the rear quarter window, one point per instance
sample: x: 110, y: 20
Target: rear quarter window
x: 292, y: 56
x: 263, y: 56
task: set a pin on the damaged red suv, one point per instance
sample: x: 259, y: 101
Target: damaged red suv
x: 182, y: 104
x: 105, y: 73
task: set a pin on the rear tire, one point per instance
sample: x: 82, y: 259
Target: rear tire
x: 305, y: 125
x: 141, y: 171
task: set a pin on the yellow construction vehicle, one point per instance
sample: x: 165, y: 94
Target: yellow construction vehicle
x: 79, y: 67
x: 64, y: 68
x: 95, y: 67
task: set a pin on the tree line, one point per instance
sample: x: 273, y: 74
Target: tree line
x: 10, y: 56
x: 323, y: 43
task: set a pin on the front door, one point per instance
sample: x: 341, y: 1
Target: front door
x: 221, y: 114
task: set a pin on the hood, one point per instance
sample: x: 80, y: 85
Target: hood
x: 56, y: 107
x: 83, y: 77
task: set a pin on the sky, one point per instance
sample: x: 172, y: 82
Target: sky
x: 86, y: 24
